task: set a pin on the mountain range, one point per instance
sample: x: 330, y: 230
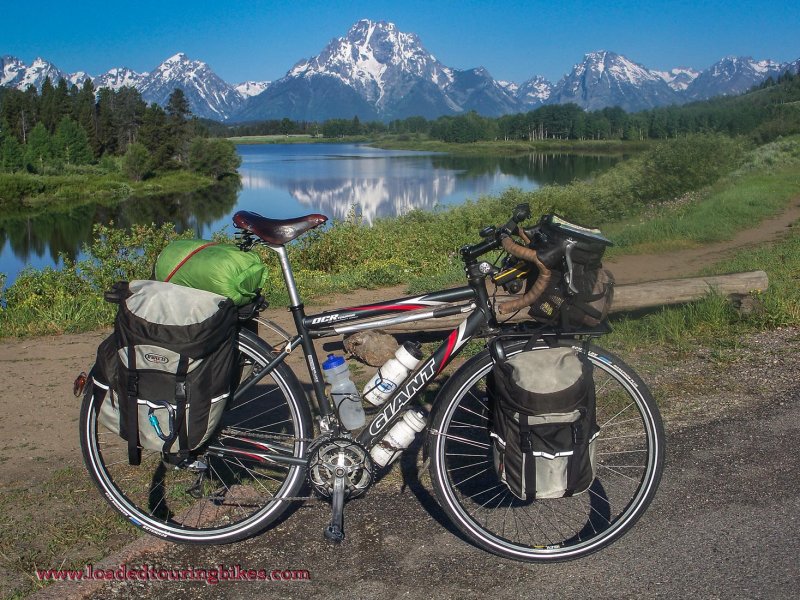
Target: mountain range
x: 378, y: 72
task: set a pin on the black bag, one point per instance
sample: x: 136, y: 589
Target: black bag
x: 162, y: 379
x: 542, y: 423
x: 580, y: 291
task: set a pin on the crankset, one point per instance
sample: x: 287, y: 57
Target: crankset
x: 339, y: 469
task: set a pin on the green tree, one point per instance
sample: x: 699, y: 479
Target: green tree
x: 39, y: 149
x: 215, y: 157
x: 155, y: 134
x: 136, y: 162
x: 12, y: 158
x: 71, y: 143
x: 179, y: 113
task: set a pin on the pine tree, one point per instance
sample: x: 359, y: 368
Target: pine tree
x: 155, y: 134
x: 136, y: 162
x: 85, y: 113
x: 39, y: 149
x: 11, y: 155
x: 179, y: 113
x: 71, y: 143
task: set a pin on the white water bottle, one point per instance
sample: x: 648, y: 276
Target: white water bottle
x: 344, y: 392
x: 398, y: 438
x: 392, y: 374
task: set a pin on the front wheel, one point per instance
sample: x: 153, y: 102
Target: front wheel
x: 228, y: 491
x: 629, y: 461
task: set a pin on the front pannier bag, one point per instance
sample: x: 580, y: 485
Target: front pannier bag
x: 542, y: 423
x: 163, y: 377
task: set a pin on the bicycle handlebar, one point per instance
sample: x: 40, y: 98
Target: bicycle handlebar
x: 502, y: 238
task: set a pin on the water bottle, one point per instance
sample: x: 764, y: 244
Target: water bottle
x: 398, y: 438
x: 344, y: 392
x: 392, y: 374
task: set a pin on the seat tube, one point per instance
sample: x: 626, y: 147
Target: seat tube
x: 298, y: 313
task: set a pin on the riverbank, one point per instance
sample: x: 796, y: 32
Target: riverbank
x: 26, y: 194
x: 421, y: 143
x: 511, y: 147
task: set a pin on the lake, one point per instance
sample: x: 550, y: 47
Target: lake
x: 289, y: 180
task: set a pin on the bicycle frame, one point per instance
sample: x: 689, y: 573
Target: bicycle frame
x: 473, y: 299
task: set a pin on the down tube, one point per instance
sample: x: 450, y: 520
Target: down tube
x: 420, y: 379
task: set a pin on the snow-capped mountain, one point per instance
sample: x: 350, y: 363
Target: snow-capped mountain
x: 17, y: 74
x: 119, y: 77
x: 678, y: 78
x: 732, y: 75
x: 251, y: 88
x: 534, y: 92
x: 607, y: 79
x: 378, y: 71
x: 207, y: 94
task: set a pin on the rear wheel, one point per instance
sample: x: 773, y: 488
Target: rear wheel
x: 228, y: 491
x: 629, y: 461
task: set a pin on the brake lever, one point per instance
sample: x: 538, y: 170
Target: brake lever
x: 570, y: 245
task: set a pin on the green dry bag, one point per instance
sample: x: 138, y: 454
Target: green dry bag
x: 214, y: 267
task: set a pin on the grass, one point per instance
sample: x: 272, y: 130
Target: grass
x: 76, y: 529
x: 737, y: 203
x: 298, y: 138
x: 713, y: 320
x: 511, y: 147
x: 25, y: 194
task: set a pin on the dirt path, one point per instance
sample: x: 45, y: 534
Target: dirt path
x: 38, y: 430
x: 685, y: 263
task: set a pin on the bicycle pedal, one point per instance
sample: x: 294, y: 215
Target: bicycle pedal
x: 334, y: 534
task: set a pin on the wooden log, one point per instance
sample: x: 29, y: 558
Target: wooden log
x: 649, y: 294
x: 637, y: 296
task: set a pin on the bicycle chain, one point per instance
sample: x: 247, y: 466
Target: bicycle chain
x: 276, y: 438
x: 272, y: 437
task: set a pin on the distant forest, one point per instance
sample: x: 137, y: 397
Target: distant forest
x: 767, y: 111
x: 64, y: 128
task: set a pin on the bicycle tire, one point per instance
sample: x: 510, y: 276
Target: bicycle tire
x: 479, y: 504
x: 237, y: 496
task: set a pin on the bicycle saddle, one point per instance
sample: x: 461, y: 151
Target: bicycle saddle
x: 276, y: 231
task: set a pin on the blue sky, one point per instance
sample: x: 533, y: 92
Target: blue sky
x: 514, y: 40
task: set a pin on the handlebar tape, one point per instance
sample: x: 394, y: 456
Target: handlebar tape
x: 539, y: 286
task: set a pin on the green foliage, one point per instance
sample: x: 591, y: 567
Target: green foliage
x: 71, y: 298
x: 12, y: 158
x: 213, y: 157
x: 71, y: 143
x: 39, y: 151
x: 136, y: 162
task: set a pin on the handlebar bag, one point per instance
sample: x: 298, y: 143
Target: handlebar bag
x: 581, y: 291
x: 215, y: 267
x: 542, y: 423
x: 162, y: 379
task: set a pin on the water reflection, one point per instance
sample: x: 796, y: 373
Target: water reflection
x: 39, y: 240
x: 280, y: 181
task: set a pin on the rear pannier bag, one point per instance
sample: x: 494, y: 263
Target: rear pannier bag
x: 542, y: 423
x: 580, y: 291
x: 162, y: 379
x: 220, y: 268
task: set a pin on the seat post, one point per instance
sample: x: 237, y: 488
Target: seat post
x: 288, y: 275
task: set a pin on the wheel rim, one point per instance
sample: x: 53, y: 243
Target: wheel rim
x: 236, y: 492
x: 626, y: 475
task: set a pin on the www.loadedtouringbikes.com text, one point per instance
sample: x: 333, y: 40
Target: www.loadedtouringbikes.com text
x: 210, y: 575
